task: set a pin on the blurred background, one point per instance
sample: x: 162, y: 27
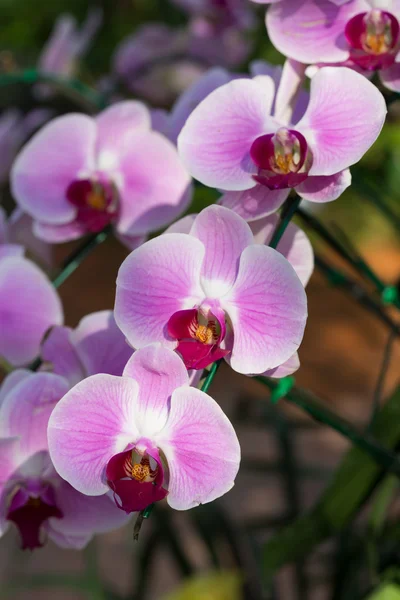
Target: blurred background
x: 154, y: 50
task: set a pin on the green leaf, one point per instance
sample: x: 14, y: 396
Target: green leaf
x: 214, y: 586
x: 387, y: 591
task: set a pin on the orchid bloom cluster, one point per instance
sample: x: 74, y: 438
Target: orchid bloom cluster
x: 112, y: 421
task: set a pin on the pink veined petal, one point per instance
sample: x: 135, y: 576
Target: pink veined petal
x: 201, y: 449
x: 49, y: 162
x: 192, y: 97
x: 268, y: 310
x: 29, y: 305
x: 115, y: 127
x: 60, y: 354
x: 311, y: 31
x: 225, y: 235
x: 11, y: 381
x: 9, y: 459
x: 343, y: 119
x: 57, y: 234
x: 155, y: 281
x: 391, y: 77
x: 26, y: 409
x: 216, y: 139
x: 287, y: 368
x: 294, y: 245
x: 155, y: 186
x: 158, y: 371
x: 100, y: 344
x: 83, y: 516
x: 255, y: 203
x: 92, y: 422
x: 324, y: 188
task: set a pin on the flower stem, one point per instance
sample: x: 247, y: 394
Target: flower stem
x: 287, y: 213
x: 312, y: 406
x: 70, y: 87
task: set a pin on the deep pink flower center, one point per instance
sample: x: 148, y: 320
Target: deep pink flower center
x: 199, y: 334
x: 136, y: 478
x: 30, y: 512
x: 283, y: 158
x: 373, y: 38
x: 97, y: 203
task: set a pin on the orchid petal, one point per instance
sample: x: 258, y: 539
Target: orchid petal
x: 59, y: 350
x: 391, y: 77
x: 324, y: 188
x: 155, y: 281
x: 343, y: 119
x: 92, y: 422
x: 158, y: 371
x: 12, y: 380
x: 83, y: 516
x: 311, y: 31
x: 29, y: 305
x: 26, y: 409
x: 155, y: 187
x: 268, y: 310
x: 117, y: 126
x: 49, y: 162
x: 255, y: 203
x: 192, y: 97
x: 100, y: 344
x: 9, y: 453
x: 201, y: 449
x: 294, y: 245
x: 225, y: 235
x: 57, y: 234
x: 216, y: 139
x: 287, y: 368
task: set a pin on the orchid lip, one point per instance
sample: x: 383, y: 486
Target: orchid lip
x: 373, y: 38
x: 199, y: 333
x: 283, y: 159
x: 96, y: 201
x: 136, y: 477
x: 30, y: 512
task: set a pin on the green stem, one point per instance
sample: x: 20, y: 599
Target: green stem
x: 75, y: 259
x: 365, y: 441
x: 211, y: 374
x: 70, y: 87
x: 287, y: 213
x: 381, y: 378
x: 353, y: 258
x: 339, y: 279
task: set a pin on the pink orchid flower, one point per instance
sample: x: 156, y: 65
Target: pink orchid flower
x: 294, y: 246
x: 146, y: 436
x: 213, y: 293
x: 29, y: 305
x: 79, y: 174
x: 32, y: 495
x: 364, y: 34
x: 232, y: 142
x: 96, y: 345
